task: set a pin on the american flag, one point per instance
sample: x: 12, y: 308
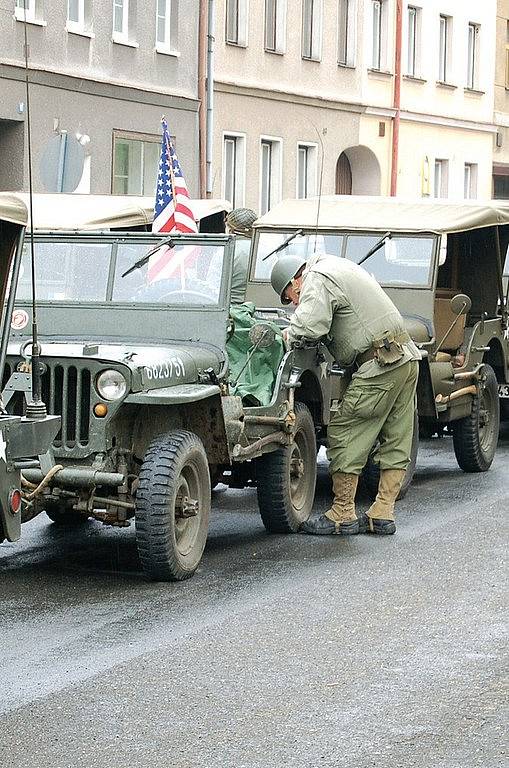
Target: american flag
x: 172, y: 212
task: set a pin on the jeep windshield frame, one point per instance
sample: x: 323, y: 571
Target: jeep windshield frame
x: 187, y: 306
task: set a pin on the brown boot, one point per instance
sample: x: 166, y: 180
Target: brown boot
x: 380, y: 515
x: 340, y: 519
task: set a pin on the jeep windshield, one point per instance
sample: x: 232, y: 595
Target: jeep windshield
x: 400, y: 260
x: 91, y: 270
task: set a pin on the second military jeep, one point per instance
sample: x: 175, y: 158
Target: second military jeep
x: 441, y: 264
x: 134, y: 332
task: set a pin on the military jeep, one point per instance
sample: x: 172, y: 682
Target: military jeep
x: 134, y: 331
x: 441, y: 265
x: 24, y: 440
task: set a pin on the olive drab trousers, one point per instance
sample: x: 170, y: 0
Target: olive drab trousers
x: 376, y: 408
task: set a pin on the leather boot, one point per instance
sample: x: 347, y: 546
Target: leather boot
x: 340, y: 519
x: 380, y: 516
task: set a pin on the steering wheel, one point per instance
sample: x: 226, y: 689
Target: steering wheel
x: 208, y: 298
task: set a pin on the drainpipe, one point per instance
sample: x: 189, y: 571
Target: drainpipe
x: 202, y: 94
x: 397, y: 98
x: 210, y: 95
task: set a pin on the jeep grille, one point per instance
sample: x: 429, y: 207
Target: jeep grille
x: 66, y: 393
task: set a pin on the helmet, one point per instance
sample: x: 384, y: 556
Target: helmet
x: 283, y: 272
x: 240, y: 221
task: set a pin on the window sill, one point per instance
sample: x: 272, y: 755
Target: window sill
x: 314, y: 59
x: 447, y: 86
x: 19, y: 16
x: 274, y: 53
x: 236, y: 45
x: 346, y: 66
x: 414, y: 79
x: 382, y: 72
x: 79, y: 31
x: 474, y: 91
x: 160, y: 48
x: 118, y: 40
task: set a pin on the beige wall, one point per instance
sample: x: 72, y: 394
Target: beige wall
x: 501, y: 154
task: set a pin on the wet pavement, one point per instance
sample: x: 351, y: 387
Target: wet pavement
x: 281, y: 651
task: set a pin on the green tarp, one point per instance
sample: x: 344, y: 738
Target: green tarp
x: 256, y: 382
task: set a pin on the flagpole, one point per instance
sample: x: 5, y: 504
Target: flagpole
x: 173, y: 191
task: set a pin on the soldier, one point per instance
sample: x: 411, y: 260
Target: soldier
x: 240, y: 222
x: 337, y: 299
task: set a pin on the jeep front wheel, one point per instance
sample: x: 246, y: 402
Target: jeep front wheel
x: 286, y: 478
x: 475, y: 437
x: 172, y: 506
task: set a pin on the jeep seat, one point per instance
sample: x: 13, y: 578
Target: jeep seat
x: 419, y: 329
x: 444, y: 317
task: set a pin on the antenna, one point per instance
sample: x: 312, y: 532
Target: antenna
x: 35, y: 407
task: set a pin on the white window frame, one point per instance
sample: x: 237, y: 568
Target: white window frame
x: 123, y: 34
x: 275, y: 180
x: 444, y: 48
x: 473, y: 55
x: 78, y: 25
x: 242, y: 13
x: 470, y: 175
x: 279, y: 28
x: 19, y: 10
x: 311, y: 39
x: 238, y: 180
x: 413, y: 48
x: 143, y: 140
x: 441, y: 178
x: 347, y: 12
x: 379, y: 35
x: 311, y: 168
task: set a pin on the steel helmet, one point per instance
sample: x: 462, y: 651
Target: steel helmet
x: 240, y: 221
x: 283, y: 272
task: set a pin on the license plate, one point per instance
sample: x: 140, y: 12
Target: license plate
x: 503, y: 391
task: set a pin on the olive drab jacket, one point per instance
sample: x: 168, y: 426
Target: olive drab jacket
x: 341, y: 301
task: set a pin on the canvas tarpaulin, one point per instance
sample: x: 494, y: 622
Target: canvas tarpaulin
x: 256, y: 382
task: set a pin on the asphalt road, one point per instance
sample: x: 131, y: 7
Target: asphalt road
x: 281, y: 651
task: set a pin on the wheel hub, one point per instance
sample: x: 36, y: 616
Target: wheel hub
x: 296, y: 468
x: 186, y: 507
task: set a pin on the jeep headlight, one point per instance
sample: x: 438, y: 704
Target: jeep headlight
x: 111, y: 385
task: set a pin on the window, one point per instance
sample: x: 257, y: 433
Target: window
x: 444, y: 52
x: 441, y: 184
x: 236, y: 22
x: 312, y: 29
x: 379, y: 34
x: 120, y: 19
x: 473, y: 56
x: 270, y: 173
x: 135, y: 163
x: 25, y: 8
x: 346, y: 33
x: 234, y: 148
x: 470, y: 181
x: 275, y: 25
x: 76, y: 15
x: 306, y: 170
x: 413, y: 41
x: 166, y: 26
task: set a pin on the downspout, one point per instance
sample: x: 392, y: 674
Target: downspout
x: 210, y: 96
x: 202, y: 95
x: 397, y: 98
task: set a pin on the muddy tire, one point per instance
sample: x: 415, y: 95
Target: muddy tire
x: 60, y: 513
x: 172, y: 506
x: 475, y: 437
x: 371, y: 472
x: 286, y: 478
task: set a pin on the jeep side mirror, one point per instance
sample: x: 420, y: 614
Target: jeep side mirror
x: 461, y: 304
x: 261, y: 335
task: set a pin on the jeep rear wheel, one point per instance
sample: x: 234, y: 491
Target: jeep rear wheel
x: 172, y: 506
x: 286, y: 478
x: 475, y: 437
x: 371, y: 472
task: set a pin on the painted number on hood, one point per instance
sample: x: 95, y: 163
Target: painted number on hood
x: 172, y: 367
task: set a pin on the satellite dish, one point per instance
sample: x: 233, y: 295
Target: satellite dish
x: 62, y: 163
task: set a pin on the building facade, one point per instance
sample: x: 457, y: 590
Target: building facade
x: 305, y: 99
x: 102, y: 73
x: 501, y: 150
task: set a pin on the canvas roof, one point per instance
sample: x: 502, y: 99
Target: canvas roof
x: 346, y: 212
x: 13, y: 209
x: 60, y: 212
